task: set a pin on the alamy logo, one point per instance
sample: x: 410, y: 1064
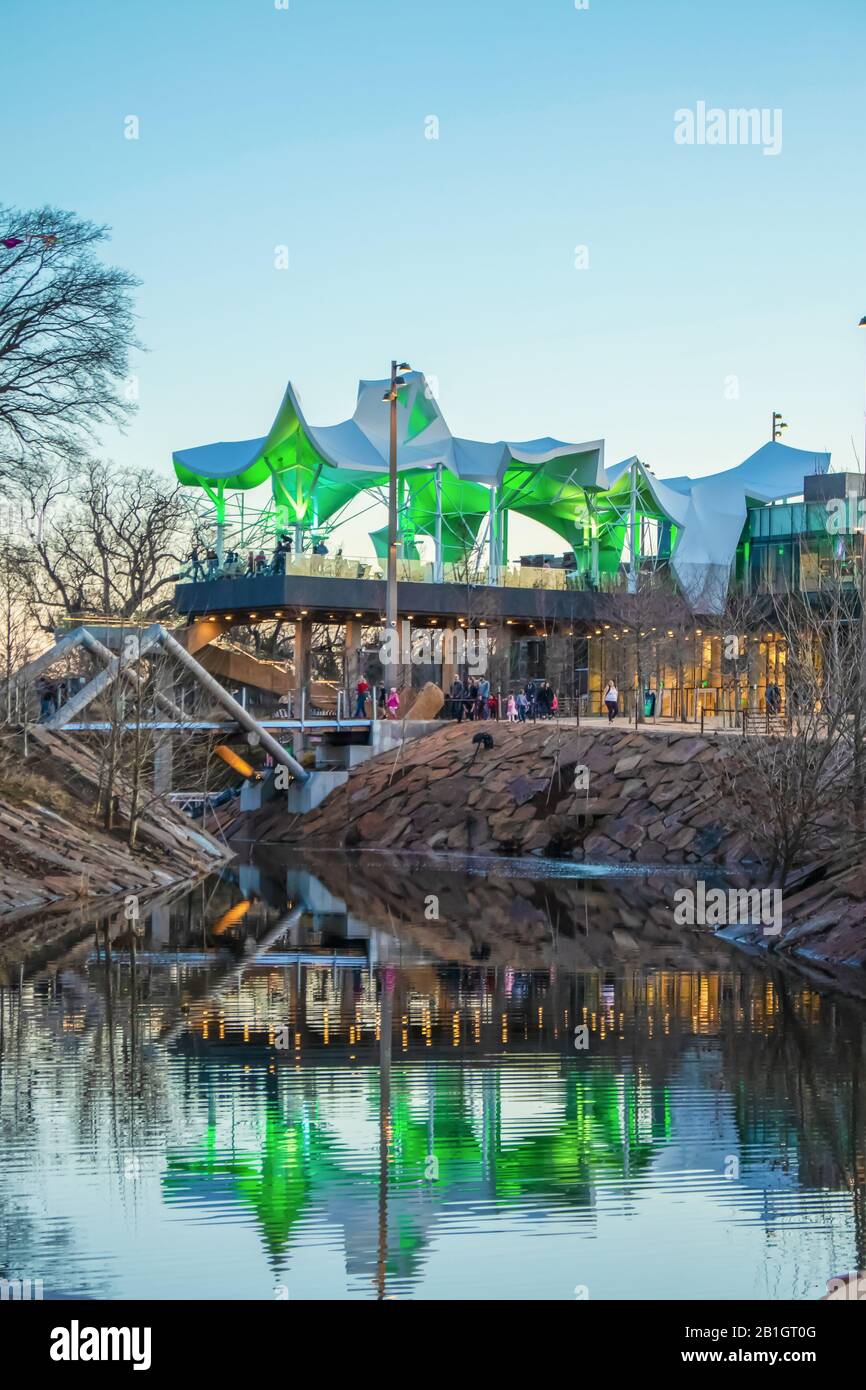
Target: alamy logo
x: 720, y: 908
x: 21, y: 1290
x: 846, y: 515
x: 76, y: 1343
x: 448, y: 647
x: 738, y: 126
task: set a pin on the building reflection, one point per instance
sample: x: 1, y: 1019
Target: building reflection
x: 296, y: 1058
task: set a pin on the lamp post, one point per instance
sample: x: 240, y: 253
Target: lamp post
x: 397, y: 381
x: 862, y: 324
x: 778, y: 425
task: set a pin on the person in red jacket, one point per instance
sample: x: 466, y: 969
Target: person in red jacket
x: 361, y: 691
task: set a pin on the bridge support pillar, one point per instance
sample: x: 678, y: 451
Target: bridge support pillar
x: 449, y: 666
x: 353, y: 659
x: 303, y: 633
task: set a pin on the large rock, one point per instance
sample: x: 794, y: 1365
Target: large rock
x: 426, y: 705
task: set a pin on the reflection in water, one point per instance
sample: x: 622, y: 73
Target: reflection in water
x: 297, y: 1078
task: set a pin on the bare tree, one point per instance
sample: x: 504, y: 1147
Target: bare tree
x: 18, y: 637
x: 106, y: 541
x: 66, y: 331
x: 795, y: 791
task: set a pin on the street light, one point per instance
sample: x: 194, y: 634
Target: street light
x: 862, y: 324
x: 397, y: 382
x: 778, y: 425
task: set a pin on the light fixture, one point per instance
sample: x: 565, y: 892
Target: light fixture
x: 359, y: 615
x: 278, y: 612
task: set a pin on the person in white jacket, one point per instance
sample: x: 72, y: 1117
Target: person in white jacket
x: 611, y: 699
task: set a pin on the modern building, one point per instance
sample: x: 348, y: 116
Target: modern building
x: 455, y: 498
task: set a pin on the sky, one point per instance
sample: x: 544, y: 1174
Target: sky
x: 715, y: 283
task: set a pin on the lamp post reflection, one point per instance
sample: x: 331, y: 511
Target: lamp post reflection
x: 386, y: 1016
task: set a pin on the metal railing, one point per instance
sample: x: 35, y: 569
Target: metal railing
x: 511, y: 576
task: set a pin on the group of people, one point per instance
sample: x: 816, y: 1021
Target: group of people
x: 475, y: 700
x: 53, y: 694
x: 204, y: 564
x: 388, y: 700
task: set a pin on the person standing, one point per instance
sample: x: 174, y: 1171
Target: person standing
x: 611, y: 699
x: 393, y: 703
x: 362, y: 690
x: 484, y: 699
x: 521, y: 706
x: 511, y: 710
x: 457, y: 699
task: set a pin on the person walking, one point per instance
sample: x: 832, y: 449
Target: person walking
x: 457, y: 699
x: 611, y: 699
x: 521, y: 706
x: 362, y: 690
x: 511, y: 710
x: 484, y: 699
x: 393, y: 703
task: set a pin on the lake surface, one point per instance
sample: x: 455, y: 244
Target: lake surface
x: 360, y: 1077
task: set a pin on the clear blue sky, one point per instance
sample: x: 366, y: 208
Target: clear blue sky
x: 306, y: 127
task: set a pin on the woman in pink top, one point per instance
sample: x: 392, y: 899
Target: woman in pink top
x: 393, y: 703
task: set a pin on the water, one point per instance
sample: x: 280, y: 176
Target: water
x: 298, y: 1083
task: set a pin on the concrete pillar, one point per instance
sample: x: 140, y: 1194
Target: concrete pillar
x: 499, y: 639
x: 353, y: 658
x: 303, y: 633
x: 449, y: 668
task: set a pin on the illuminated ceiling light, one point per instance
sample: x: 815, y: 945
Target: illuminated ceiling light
x: 304, y: 612
x: 359, y: 615
x: 254, y: 615
x: 278, y: 612
x: 699, y: 631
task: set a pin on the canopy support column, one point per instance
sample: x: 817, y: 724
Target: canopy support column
x: 634, y: 544
x: 438, y: 567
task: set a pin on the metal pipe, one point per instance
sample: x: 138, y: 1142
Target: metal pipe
x: 94, y: 646
x: 149, y: 638
x: 237, y: 711
x: 391, y: 585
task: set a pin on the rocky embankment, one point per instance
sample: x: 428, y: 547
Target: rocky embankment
x: 824, y: 926
x: 651, y: 799
x: 54, y: 855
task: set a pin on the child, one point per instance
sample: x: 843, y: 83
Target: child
x: 511, y: 710
x: 393, y: 703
